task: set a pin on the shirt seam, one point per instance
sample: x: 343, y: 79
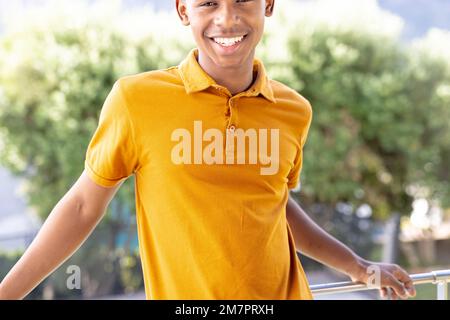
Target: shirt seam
x: 187, y: 85
x: 115, y: 180
x: 302, y: 142
x: 130, y: 123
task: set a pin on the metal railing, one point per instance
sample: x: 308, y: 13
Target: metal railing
x: 439, y: 278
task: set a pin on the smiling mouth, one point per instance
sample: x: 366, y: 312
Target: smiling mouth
x: 228, y: 41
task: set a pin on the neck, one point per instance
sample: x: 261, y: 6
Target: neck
x: 236, y: 79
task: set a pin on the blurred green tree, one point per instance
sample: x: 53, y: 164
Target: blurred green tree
x: 53, y: 84
x: 380, y: 129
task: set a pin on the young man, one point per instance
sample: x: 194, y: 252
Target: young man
x: 215, y: 147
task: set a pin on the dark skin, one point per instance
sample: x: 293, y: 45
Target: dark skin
x: 212, y: 19
x: 232, y: 68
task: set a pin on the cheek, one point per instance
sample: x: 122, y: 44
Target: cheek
x: 258, y: 30
x: 197, y: 31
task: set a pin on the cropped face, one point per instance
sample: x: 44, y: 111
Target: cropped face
x: 226, y: 31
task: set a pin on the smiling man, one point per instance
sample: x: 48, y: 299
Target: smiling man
x: 226, y: 41
x: 211, y: 224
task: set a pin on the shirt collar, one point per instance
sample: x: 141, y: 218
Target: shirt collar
x: 195, y: 79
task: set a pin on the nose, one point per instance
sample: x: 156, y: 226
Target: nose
x: 226, y: 17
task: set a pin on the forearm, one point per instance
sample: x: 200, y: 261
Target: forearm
x: 317, y: 244
x: 66, y: 228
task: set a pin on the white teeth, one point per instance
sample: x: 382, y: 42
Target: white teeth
x: 228, y: 42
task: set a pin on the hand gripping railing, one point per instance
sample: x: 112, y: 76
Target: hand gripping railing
x: 439, y: 278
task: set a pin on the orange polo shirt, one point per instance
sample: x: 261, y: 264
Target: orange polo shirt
x: 213, y: 173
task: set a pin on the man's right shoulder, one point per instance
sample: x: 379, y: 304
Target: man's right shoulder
x: 155, y: 81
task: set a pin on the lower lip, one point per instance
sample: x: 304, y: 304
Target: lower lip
x: 230, y: 49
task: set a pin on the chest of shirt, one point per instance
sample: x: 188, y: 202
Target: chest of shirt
x: 211, y: 135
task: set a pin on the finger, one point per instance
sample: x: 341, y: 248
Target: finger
x: 410, y: 288
x: 397, y: 286
x: 404, y: 277
x: 394, y: 296
x: 389, y: 294
x: 400, y: 274
x: 383, y: 293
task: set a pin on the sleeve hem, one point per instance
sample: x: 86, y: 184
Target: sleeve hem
x: 101, y: 181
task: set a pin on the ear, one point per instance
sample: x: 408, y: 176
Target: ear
x: 182, y: 12
x: 270, y: 4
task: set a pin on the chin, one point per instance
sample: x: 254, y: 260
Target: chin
x: 229, y: 62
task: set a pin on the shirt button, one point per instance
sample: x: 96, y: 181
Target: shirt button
x: 232, y: 128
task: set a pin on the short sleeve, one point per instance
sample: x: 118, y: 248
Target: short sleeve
x: 111, y: 155
x: 294, y: 175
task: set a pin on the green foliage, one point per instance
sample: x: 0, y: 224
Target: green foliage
x: 379, y: 125
x: 53, y: 83
x: 52, y: 97
x: 7, y: 261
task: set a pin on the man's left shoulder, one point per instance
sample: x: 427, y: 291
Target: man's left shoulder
x: 285, y: 95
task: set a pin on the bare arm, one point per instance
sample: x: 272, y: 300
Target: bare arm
x: 317, y: 244
x: 67, y: 227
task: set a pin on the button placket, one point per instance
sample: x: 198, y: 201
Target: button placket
x: 231, y: 130
x: 222, y: 91
x: 232, y: 119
